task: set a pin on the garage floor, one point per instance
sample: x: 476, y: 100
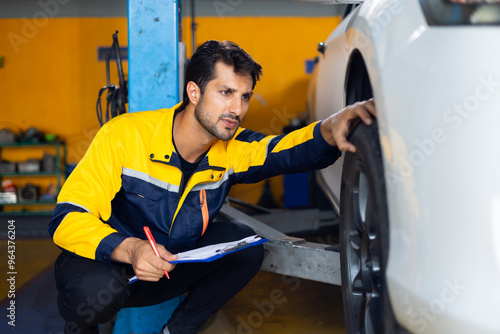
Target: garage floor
x: 271, y: 303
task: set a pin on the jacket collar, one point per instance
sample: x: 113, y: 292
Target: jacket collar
x: 162, y: 148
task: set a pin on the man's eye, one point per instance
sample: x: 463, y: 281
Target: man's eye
x: 226, y: 92
x: 246, y: 97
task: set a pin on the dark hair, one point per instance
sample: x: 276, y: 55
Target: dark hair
x: 201, y: 67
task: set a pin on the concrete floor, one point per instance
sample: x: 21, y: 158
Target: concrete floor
x: 273, y: 303
x: 270, y: 303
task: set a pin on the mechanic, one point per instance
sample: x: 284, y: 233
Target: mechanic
x: 171, y: 170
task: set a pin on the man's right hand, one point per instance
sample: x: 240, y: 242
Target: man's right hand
x: 147, y: 266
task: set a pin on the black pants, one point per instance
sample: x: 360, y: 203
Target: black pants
x: 92, y: 292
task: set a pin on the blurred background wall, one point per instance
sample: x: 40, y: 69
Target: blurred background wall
x: 51, y: 73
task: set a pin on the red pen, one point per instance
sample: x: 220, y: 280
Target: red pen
x: 152, y: 242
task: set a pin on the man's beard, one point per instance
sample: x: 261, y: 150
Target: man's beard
x: 203, y: 118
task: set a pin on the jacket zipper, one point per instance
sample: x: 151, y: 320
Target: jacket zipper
x: 204, y: 209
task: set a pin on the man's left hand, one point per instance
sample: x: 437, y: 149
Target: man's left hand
x: 337, y: 127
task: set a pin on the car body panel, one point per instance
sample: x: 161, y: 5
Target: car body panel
x: 437, y: 92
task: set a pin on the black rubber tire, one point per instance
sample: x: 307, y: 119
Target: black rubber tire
x: 364, y: 237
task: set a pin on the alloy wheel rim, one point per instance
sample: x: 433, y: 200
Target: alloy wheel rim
x: 363, y: 256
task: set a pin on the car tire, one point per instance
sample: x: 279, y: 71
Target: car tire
x: 364, y: 237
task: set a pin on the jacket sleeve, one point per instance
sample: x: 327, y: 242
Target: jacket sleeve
x: 257, y: 156
x: 85, y: 200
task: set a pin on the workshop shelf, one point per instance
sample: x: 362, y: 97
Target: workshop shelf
x: 60, y: 162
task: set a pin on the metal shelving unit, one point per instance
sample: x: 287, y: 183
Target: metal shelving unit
x: 60, y: 159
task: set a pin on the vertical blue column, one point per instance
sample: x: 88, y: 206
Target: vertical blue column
x: 153, y: 70
x: 153, y: 83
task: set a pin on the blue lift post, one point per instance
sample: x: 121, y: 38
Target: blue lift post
x: 153, y: 54
x: 153, y: 79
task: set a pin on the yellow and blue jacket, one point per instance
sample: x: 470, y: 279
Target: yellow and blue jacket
x: 130, y: 177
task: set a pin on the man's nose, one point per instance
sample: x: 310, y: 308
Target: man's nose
x: 236, y: 105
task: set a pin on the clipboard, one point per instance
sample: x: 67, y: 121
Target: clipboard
x: 213, y: 252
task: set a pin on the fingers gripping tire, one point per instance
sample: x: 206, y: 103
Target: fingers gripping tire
x: 364, y: 237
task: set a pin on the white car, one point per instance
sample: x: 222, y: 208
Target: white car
x: 420, y: 199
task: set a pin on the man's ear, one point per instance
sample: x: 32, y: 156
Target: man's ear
x: 193, y: 92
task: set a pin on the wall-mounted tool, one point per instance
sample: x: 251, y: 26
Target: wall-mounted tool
x: 117, y: 96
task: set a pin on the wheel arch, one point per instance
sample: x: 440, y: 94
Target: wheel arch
x: 357, y: 83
